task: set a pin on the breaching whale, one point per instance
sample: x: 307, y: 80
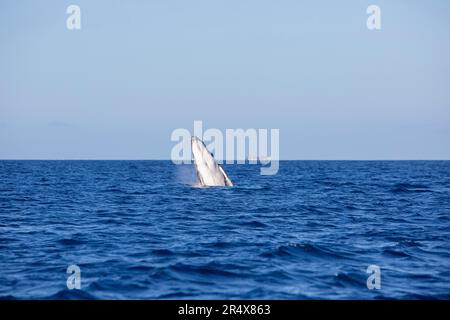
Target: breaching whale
x: 209, y: 172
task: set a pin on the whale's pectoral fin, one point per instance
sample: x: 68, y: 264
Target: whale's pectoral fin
x: 225, y: 177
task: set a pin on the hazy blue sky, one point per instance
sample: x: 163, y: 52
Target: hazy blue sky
x: 139, y: 69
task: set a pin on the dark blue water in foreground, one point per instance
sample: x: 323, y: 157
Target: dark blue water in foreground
x: 139, y: 230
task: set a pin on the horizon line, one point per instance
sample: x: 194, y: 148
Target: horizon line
x: 224, y: 161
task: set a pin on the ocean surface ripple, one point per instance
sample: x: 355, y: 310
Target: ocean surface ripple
x: 141, y: 230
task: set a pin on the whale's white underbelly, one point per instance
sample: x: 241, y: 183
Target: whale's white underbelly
x: 209, y: 172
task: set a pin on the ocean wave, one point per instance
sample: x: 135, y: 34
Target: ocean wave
x: 299, y: 250
x: 67, y: 294
x: 409, y: 187
x: 308, y: 232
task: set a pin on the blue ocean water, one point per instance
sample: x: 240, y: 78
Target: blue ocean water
x: 141, y: 230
